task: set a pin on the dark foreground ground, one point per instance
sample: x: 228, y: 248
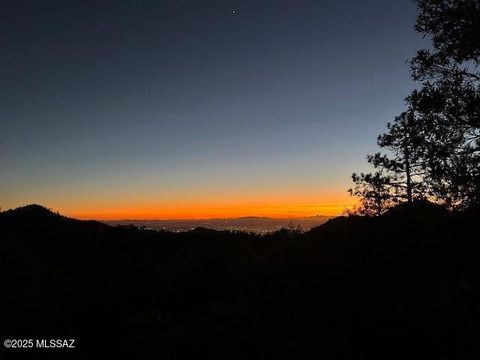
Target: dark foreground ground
x: 404, y: 285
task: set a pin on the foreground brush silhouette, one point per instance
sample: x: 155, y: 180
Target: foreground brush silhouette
x: 402, y: 284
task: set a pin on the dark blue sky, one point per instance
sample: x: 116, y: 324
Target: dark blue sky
x: 115, y: 104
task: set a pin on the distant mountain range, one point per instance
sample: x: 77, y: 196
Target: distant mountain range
x: 248, y: 223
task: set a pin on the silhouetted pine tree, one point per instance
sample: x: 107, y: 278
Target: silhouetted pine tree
x: 434, y: 147
x: 405, y: 162
x: 449, y: 101
x: 399, y: 175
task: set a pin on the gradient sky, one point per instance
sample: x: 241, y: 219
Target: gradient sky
x: 171, y: 109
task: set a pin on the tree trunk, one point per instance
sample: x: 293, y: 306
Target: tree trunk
x: 408, y: 172
x: 409, y: 181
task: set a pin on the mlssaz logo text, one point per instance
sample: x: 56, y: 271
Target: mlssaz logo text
x: 56, y: 343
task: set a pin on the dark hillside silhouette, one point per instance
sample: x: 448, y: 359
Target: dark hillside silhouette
x: 395, y: 285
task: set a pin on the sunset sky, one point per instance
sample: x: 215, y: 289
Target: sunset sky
x: 195, y: 109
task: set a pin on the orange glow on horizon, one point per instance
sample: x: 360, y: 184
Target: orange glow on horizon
x: 148, y: 212
x: 198, y: 205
